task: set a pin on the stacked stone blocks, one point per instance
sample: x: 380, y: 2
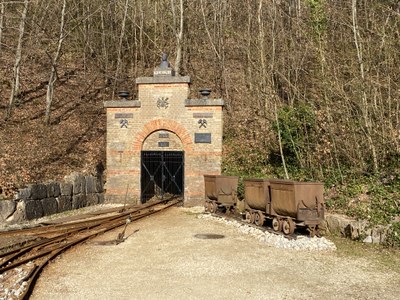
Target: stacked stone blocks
x: 39, y: 200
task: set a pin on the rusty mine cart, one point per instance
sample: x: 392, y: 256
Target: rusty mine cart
x: 288, y: 203
x: 220, y: 191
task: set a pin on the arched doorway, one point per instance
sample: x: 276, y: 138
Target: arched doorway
x: 162, y: 166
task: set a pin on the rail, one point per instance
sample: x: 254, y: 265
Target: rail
x: 49, y: 241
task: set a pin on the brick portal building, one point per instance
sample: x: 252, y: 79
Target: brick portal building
x: 162, y: 143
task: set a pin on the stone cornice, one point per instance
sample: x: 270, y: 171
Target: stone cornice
x: 204, y: 102
x: 122, y: 103
x: 163, y: 79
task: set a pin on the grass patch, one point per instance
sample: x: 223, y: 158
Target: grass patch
x: 386, y: 257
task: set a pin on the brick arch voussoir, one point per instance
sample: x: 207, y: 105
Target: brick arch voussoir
x: 168, y: 125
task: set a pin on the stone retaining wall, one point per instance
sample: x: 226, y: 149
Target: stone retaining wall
x: 39, y: 200
x: 360, y: 230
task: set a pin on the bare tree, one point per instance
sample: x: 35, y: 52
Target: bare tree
x: 16, y: 71
x: 54, y: 64
x: 2, y: 10
x: 178, y: 33
x: 360, y: 58
x: 120, y: 44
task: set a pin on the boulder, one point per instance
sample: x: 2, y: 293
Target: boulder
x: 19, y: 214
x: 7, y: 208
x: 368, y: 239
x: 356, y: 229
x: 337, y: 223
x: 379, y: 234
x: 50, y: 206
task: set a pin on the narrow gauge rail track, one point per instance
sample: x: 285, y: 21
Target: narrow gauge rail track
x: 51, y: 240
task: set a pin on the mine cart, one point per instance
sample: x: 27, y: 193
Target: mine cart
x: 296, y: 203
x: 257, y: 200
x: 220, y: 190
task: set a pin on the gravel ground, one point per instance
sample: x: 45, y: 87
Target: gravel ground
x: 163, y: 259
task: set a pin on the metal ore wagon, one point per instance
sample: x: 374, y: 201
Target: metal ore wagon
x: 220, y: 190
x: 288, y: 203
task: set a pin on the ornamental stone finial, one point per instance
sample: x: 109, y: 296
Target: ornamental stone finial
x: 164, y: 61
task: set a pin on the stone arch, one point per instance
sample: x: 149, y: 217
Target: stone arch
x: 163, y: 124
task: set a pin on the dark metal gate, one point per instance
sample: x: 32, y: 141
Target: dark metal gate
x: 161, y: 174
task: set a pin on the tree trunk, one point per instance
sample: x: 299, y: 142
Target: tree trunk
x: 280, y: 144
x: 178, y: 34
x: 53, y: 72
x: 364, y: 94
x: 18, y: 55
x: 119, y: 51
x: 2, y: 9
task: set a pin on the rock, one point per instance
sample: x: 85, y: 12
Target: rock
x: 66, y: 188
x: 336, y: 223
x: 53, y: 189
x: 355, y: 229
x: 38, y: 191
x: 33, y: 209
x: 49, y: 206
x: 19, y: 214
x: 368, y: 239
x: 7, y: 208
x: 379, y: 234
x: 64, y: 203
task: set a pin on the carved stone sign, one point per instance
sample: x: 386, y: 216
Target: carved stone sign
x: 163, y: 135
x: 202, y: 115
x: 163, y: 144
x: 202, y: 138
x: 123, y: 116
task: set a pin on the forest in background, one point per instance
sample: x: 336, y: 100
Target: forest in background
x: 311, y: 86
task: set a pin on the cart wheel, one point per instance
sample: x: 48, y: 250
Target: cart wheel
x: 259, y: 218
x: 248, y: 216
x: 312, y: 230
x: 210, y: 206
x: 276, y: 224
x: 292, y: 226
x: 213, y: 207
x: 288, y: 226
x: 206, y: 206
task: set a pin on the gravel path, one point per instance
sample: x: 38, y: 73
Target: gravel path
x: 165, y: 260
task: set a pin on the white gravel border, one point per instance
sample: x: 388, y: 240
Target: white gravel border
x: 271, y: 239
